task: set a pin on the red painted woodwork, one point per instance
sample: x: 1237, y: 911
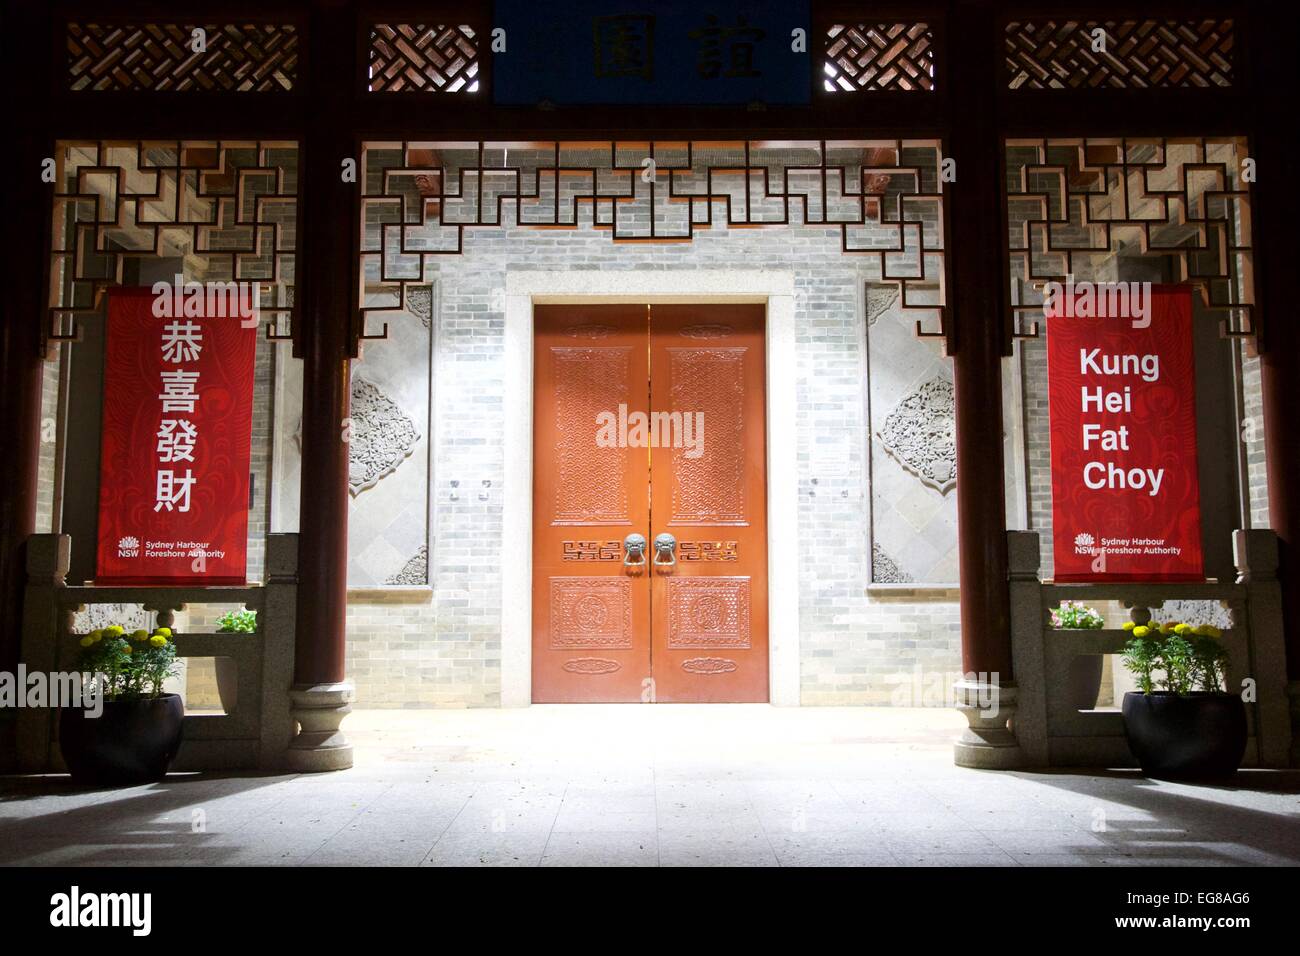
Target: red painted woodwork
x: 709, y: 611
x: 590, y: 614
x: 606, y: 631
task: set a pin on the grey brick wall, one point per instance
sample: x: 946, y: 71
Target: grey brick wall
x: 49, y: 447
x: 446, y: 652
x: 1032, y: 355
x: 1253, y: 435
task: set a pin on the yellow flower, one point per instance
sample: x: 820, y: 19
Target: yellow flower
x: 139, y: 635
x: 1129, y: 625
x: 1209, y: 630
x: 114, y: 631
x: 95, y: 635
x: 1182, y: 630
x: 158, y: 641
x: 1172, y: 628
x: 1141, y: 631
x: 86, y: 641
x: 164, y: 631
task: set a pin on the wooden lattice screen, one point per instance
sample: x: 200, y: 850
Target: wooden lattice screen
x: 175, y: 57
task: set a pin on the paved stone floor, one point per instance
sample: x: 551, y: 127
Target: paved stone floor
x: 637, y: 785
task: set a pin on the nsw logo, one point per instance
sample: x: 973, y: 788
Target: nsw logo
x: 128, y: 546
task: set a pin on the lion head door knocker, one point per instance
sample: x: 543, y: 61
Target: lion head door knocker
x: 634, y: 552
x: 665, y: 551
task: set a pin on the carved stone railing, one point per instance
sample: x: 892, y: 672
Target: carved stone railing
x: 1048, y: 725
x: 255, y: 734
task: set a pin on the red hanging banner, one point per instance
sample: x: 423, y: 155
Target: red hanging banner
x: 174, y: 461
x: 1121, y: 380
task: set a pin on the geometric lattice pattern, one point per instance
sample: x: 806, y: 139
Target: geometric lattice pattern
x: 412, y: 57
x: 1124, y: 54
x: 217, y: 211
x: 1094, y: 208
x: 422, y: 199
x: 160, y: 57
x: 878, y: 56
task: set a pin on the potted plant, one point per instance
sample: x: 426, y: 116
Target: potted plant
x: 1182, y: 723
x: 1085, y: 669
x: 242, y: 621
x: 137, y: 735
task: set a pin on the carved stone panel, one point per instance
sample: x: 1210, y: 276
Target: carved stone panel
x: 710, y: 489
x: 95, y: 616
x: 591, y: 612
x: 880, y: 298
x: 708, y: 612
x: 414, y: 572
x: 419, y: 302
x: 590, y: 486
x: 383, y: 436
x: 1196, y: 612
x: 913, y: 450
x: 920, y: 433
x: 885, y: 570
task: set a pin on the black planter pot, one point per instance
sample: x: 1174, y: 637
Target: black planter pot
x: 1084, y: 683
x: 1186, y: 736
x: 132, y: 741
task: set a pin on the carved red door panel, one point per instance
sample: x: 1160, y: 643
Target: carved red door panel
x: 709, y: 608
x: 591, y: 614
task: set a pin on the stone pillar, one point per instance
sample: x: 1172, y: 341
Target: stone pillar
x: 1255, y: 553
x: 328, y: 210
x: 978, y: 337
x: 1027, y: 615
x: 278, y: 627
x: 44, y: 625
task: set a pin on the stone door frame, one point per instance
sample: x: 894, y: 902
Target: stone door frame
x: 775, y: 290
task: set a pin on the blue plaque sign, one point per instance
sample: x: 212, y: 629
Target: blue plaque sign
x: 586, y: 52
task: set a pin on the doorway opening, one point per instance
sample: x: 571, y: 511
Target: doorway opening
x: 649, y: 504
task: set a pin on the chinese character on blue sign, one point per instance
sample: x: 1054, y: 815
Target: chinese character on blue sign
x: 601, y: 51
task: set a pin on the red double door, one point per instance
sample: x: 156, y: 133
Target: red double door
x: 649, y: 504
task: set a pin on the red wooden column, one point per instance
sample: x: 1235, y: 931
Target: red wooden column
x: 321, y: 695
x: 978, y: 337
x: 26, y: 231
x: 1275, y: 215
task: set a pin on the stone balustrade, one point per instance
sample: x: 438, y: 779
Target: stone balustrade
x: 1052, y: 730
x: 256, y: 731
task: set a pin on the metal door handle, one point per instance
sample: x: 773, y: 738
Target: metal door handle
x: 634, y: 551
x: 665, y: 544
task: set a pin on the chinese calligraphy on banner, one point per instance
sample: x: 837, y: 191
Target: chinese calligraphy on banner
x: 174, y: 463
x: 1122, y: 404
x: 603, y: 51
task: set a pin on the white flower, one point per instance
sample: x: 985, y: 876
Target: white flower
x: 1084, y: 540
